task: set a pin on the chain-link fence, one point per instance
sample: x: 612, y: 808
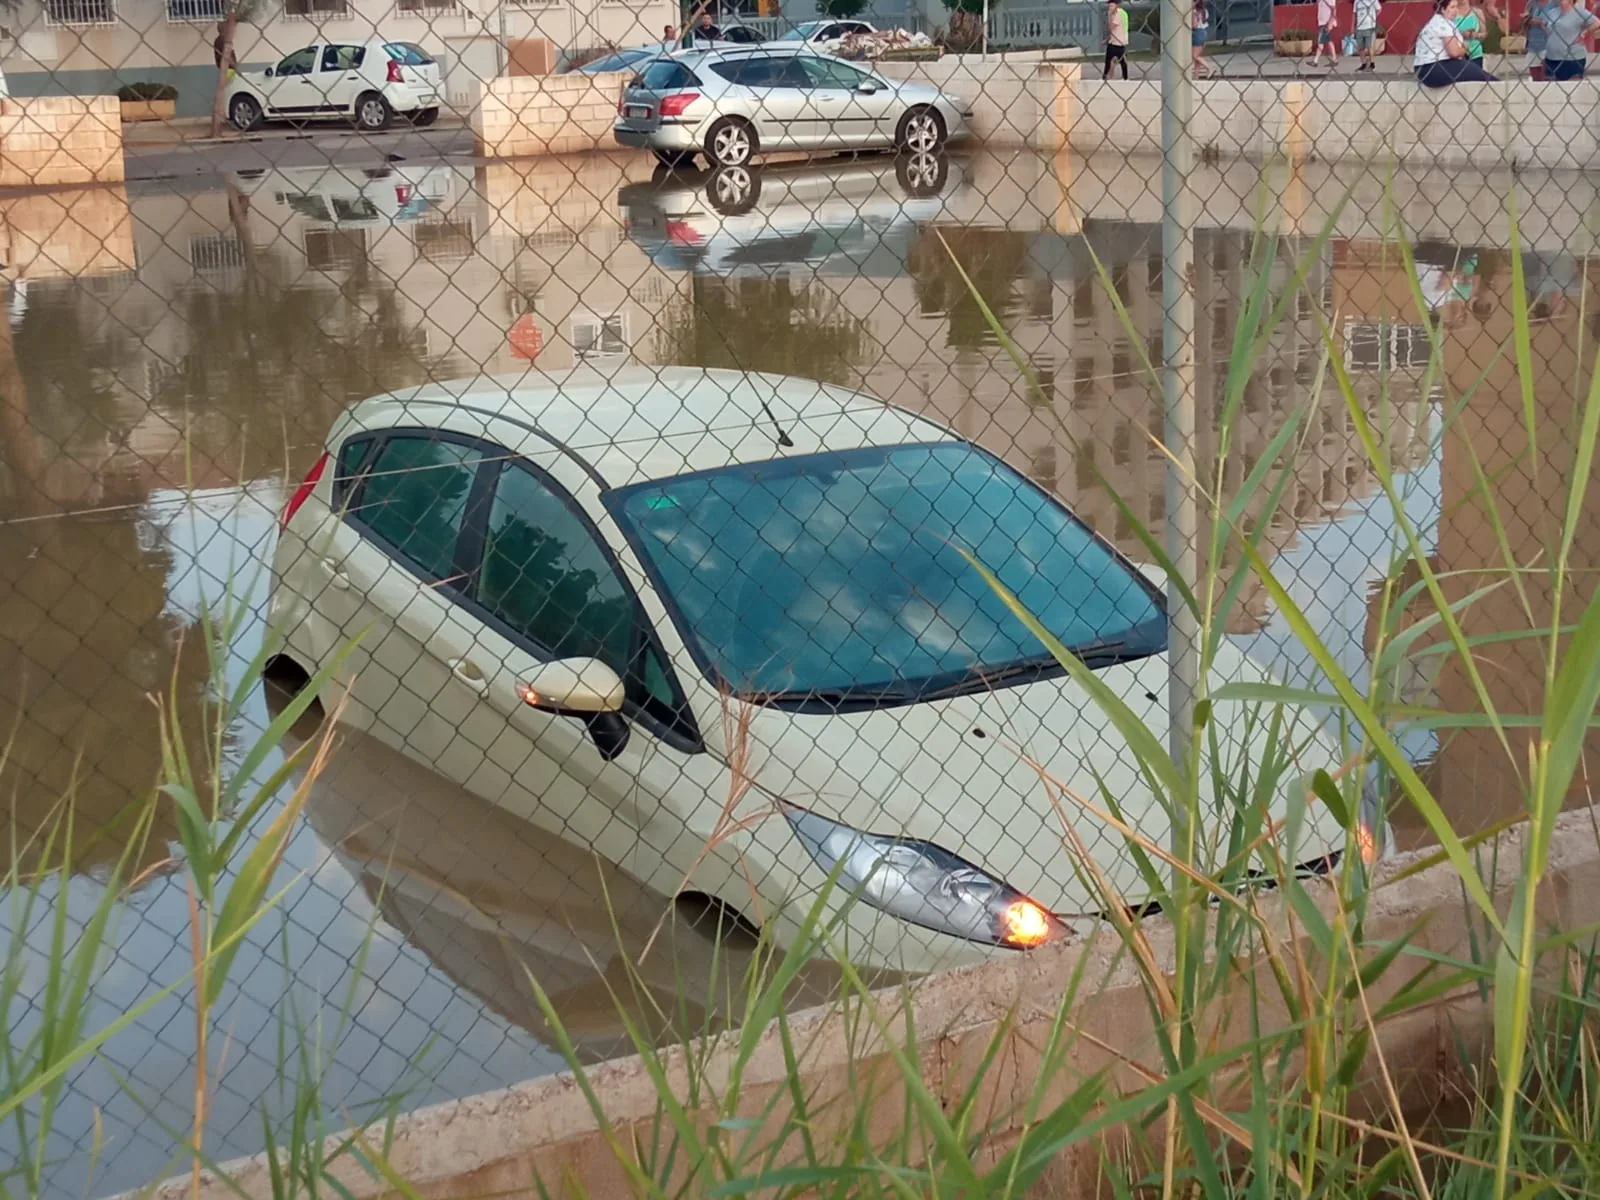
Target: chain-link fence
x: 618, y: 403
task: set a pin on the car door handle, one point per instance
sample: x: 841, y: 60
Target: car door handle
x: 334, y: 570
x: 469, y: 673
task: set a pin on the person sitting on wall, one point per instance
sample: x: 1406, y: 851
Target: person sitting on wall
x: 1441, y: 56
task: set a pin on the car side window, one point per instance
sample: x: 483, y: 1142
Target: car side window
x: 352, y: 458
x: 342, y: 58
x: 414, y: 499
x: 298, y: 63
x: 830, y: 73
x: 546, y: 576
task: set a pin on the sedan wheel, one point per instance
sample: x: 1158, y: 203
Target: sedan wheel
x: 922, y: 132
x: 730, y: 143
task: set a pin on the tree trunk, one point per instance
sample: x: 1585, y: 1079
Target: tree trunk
x: 230, y: 24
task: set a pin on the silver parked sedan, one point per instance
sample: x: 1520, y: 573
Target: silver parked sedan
x: 731, y: 103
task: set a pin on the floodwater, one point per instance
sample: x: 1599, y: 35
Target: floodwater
x: 170, y: 359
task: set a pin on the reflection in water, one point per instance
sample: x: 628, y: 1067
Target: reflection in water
x: 174, y: 359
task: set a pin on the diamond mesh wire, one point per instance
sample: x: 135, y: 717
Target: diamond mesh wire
x: 712, y: 437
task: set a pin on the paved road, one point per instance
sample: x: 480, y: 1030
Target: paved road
x: 204, y: 160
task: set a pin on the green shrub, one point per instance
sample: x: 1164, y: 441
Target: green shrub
x: 149, y: 90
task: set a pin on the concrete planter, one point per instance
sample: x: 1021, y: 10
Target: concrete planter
x: 148, y: 110
x: 1293, y: 49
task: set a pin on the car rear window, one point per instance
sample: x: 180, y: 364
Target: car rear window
x: 666, y: 75
x: 408, y: 55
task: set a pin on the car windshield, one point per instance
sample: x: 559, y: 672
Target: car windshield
x: 801, y: 32
x: 844, y: 575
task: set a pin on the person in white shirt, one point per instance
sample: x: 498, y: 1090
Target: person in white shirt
x: 1366, y: 32
x: 1440, y: 58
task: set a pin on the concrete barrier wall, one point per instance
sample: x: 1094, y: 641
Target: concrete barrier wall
x: 50, y: 141
x: 1516, y: 123
x: 522, y: 115
x: 500, y: 1141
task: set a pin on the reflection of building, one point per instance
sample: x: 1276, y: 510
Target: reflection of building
x: 1529, y: 484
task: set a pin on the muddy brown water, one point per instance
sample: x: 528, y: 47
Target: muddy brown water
x: 168, y: 361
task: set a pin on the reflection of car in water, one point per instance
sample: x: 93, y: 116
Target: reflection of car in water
x: 721, y: 627
x: 495, y: 902
x: 739, y: 220
x: 351, y: 195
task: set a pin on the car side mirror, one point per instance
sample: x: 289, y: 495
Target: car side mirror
x: 573, y: 687
x: 584, y: 688
x: 866, y: 87
x: 269, y: 72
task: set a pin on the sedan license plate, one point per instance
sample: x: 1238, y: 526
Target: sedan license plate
x: 639, y: 111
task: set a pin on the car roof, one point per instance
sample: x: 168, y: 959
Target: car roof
x: 736, y: 50
x: 635, y: 423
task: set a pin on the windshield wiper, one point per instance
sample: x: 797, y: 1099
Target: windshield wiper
x: 980, y: 679
x: 836, y: 697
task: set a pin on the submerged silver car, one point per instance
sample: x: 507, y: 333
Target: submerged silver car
x: 731, y: 104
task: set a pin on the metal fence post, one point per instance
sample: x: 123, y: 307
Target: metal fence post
x: 1177, y: 342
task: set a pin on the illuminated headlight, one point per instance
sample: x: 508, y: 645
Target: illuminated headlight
x: 925, y: 885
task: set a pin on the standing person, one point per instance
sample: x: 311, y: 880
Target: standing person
x: 1327, y: 19
x: 1116, y: 37
x: 669, y: 36
x: 1536, y: 21
x: 1366, y: 32
x: 1564, y: 51
x: 1471, y: 26
x: 1199, y: 29
x: 1440, y: 58
x: 704, y: 30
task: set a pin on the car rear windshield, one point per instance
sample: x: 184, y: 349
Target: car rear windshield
x: 408, y: 55
x: 848, y: 572
x: 665, y: 76
x: 801, y: 32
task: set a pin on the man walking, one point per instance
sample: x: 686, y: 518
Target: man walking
x: 1366, y: 32
x: 1327, y: 18
x: 1116, y: 37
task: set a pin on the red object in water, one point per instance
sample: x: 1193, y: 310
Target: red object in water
x: 526, y: 338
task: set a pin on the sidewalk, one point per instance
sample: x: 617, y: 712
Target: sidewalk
x: 196, y: 131
x: 1263, y: 63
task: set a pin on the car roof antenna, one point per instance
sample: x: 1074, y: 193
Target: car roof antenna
x: 783, y: 438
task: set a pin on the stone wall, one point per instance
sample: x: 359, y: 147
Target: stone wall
x: 499, y: 1142
x: 50, y: 141
x: 545, y: 114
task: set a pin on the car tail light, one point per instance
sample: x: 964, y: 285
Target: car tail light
x: 622, y: 102
x: 303, y: 492
x: 673, y: 105
x: 394, y: 72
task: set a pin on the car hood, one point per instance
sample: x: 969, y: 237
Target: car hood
x: 991, y: 776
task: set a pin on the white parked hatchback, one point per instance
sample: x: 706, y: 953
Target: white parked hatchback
x: 718, y: 629
x: 368, y: 83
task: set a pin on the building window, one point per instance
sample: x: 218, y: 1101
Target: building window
x: 80, y: 12
x: 600, y: 337
x: 443, y: 241
x: 196, y: 10
x: 413, y: 6
x: 1384, y: 345
x: 216, y: 252
x: 316, y: 9
x: 335, y: 249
